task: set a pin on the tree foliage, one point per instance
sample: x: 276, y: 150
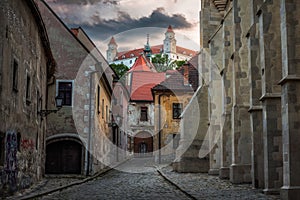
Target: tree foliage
x: 163, y: 63
x: 120, y: 69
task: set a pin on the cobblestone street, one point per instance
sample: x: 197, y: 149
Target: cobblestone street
x: 139, y: 181
x: 141, y: 178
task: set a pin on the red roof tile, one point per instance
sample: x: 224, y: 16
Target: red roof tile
x: 112, y: 41
x: 142, y: 64
x: 170, y: 29
x: 142, y: 82
x: 136, y: 52
x: 186, y: 51
x: 176, y: 80
x: 155, y: 50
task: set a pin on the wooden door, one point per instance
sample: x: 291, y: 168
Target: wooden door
x: 63, y: 157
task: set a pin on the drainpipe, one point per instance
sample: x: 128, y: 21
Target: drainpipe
x: 90, y: 125
x: 159, y: 128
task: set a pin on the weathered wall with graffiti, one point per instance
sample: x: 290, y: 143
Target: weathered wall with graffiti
x: 24, y: 58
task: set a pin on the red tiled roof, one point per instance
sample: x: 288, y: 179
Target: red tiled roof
x: 112, y: 41
x: 136, y: 52
x: 142, y: 82
x: 186, y: 51
x: 176, y: 80
x: 170, y: 29
x: 155, y: 50
x: 142, y: 64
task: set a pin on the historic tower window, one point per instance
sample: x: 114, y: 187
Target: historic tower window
x: 65, y: 92
x: 144, y: 114
x: 177, y: 109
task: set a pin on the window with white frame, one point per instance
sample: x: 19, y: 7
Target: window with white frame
x: 65, y: 89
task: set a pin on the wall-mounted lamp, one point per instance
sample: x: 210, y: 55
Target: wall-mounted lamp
x: 58, y: 102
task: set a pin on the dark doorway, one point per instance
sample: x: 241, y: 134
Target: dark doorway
x: 63, y: 157
x: 143, y: 144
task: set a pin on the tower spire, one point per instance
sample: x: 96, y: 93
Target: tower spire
x: 147, y: 48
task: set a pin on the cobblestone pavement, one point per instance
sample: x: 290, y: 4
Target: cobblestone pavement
x: 204, y: 186
x: 139, y: 179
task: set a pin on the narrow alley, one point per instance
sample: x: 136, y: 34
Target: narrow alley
x: 141, y: 178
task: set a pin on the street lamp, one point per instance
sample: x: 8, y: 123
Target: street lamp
x: 58, y: 102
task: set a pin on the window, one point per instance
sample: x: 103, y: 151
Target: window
x: 65, y: 92
x: 176, y: 138
x: 102, y: 110
x: 107, y: 113
x: 98, y: 100
x: 28, y: 89
x: 144, y: 114
x: 177, y: 109
x: 15, y: 75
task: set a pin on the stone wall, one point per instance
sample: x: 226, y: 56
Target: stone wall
x: 88, y: 117
x: 23, y: 72
x: 253, y: 46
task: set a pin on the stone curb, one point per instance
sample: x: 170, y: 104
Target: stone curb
x: 174, y: 184
x: 43, y: 193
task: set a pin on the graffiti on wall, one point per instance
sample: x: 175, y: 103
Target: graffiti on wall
x: 27, y: 144
x: 11, y: 167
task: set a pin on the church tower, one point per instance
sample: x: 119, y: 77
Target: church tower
x: 111, y: 52
x: 147, y: 48
x: 170, y: 43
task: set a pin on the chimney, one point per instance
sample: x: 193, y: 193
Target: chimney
x: 186, y: 74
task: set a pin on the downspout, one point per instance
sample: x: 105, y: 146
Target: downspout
x: 159, y: 128
x: 90, y: 124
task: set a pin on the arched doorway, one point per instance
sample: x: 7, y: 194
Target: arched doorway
x: 143, y: 143
x: 63, y: 157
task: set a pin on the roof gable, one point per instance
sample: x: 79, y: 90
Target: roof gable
x: 142, y: 64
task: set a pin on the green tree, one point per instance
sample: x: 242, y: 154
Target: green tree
x: 120, y: 69
x: 162, y: 63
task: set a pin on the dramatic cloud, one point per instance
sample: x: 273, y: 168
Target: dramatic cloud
x: 124, y: 22
x: 129, y: 19
x: 83, y: 2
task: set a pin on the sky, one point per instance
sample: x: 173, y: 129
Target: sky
x: 129, y: 21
